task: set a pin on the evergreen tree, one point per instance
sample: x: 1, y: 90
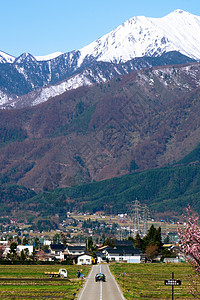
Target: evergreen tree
x: 166, y: 240
x: 153, y: 237
x: 25, y: 241
x: 89, y: 243
x: 12, y: 254
x: 37, y: 243
x: 56, y: 239
x: 138, y: 242
x: 109, y: 242
x: 22, y: 256
x: 157, y: 238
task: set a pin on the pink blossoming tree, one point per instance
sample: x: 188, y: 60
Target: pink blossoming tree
x: 189, y: 236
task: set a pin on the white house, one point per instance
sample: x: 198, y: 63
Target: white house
x: 84, y: 259
x: 22, y: 247
x: 58, y: 250
x: 124, y: 255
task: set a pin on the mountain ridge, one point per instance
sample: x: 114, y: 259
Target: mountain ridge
x: 49, y: 86
x: 136, y: 39
x: 142, y: 120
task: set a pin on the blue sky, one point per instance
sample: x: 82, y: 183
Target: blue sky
x: 42, y: 27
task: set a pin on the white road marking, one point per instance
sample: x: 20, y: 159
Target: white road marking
x: 122, y: 296
x: 101, y: 287
x: 80, y: 295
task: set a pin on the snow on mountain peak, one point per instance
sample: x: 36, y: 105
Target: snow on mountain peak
x: 179, y: 11
x: 142, y: 36
x: 6, y: 58
x: 137, y: 37
x: 48, y: 57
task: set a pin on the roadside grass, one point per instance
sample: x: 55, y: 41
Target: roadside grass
x: 21, y: 282
x: 146, y: 281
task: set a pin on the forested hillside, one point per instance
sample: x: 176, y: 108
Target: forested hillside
x: 166, y: 191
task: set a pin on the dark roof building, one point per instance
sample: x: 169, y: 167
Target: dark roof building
x: 57, y: 247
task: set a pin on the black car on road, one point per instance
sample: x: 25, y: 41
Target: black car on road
x: 99, y: 277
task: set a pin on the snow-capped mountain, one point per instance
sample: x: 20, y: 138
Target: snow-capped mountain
x: 139, y: 37
x: 6, y: 58
x: 142, y: 36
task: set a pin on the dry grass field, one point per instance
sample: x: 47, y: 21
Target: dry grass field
x: 146, y: 281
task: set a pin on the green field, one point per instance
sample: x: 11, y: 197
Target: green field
x: 146, y: 281
x: 30, y: 282
x: 137, y: 281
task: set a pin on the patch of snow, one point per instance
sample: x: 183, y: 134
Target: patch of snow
x: 55, y: 90
x: 4, y: 98
x: 21, y: 71
x: 48, y: 57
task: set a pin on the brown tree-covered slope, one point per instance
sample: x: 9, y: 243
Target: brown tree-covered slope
x: 142, y: 120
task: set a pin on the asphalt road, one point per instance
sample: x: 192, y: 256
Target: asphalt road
x: 100, y: 290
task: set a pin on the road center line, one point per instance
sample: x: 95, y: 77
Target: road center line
x: 101, y: 290
x: 101, y: 287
